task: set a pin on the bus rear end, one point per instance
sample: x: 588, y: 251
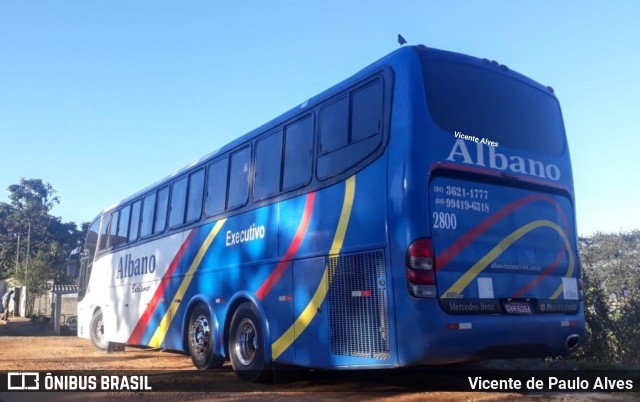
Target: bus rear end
x: 493, y: 270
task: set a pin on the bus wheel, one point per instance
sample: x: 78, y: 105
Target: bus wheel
x: 201, y: 340
x: 96, y: 331
x: 246, y: 345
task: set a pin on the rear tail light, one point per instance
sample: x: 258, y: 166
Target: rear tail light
x: 420, y: 264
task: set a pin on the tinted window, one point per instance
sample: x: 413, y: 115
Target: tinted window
x: 490, y: 105
x: 334, y: 125
x: 104, y: 232
x: 216, y: 187
x: 178, y: 203
x: 162, y: 203
x: 135, y: 221
x: 194, y: 200
x: 113, y: 231
x: 90, y: 245
x: 123, y: 226
x: 148, y: 206
x: 268, y: 165
x: 298, y: 158
x: 350, y: 129
x: 366, y: 114
x: 90, y: 242
x: 239, y: 178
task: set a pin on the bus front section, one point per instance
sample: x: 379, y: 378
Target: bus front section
x: 492, y: 267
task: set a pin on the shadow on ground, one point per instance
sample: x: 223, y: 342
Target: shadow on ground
x: 20, y: 326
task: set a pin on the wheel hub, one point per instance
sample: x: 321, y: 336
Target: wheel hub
x: 246, y: 342
x: 100, y: 330
x: 201, y: 331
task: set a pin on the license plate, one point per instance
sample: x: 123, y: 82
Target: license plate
x: 517, y: 307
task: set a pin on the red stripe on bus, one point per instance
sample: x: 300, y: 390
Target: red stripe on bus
x: 540, y: 276
x: 273, y: 278
x: 445, y: 257
x: 141, y: 326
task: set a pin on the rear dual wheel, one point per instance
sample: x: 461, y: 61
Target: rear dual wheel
x: 246, y: 345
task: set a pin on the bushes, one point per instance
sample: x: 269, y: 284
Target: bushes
x: 611, y: 277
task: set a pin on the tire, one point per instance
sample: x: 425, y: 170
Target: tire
x: 96, y: 331
x: 246, y: 345
x: 201, y: 339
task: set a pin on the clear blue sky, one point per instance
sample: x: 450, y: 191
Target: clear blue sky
x: 104, y: 98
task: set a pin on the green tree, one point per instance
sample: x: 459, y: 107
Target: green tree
x: 599, y: 344
x: 45, y: 240
x: 613, y: 261
x: 611, y: 276
x: 35, y: 276
x: 626, y: 330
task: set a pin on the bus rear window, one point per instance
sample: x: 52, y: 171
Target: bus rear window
x: 490, y: 105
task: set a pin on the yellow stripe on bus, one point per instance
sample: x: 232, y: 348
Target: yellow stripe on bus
x: 165, y: 323
x: 309, y: 312
x: 501, y: 247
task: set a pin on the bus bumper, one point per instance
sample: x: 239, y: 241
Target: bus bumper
x: 439, y: 338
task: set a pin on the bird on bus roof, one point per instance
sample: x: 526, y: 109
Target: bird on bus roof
x: 401, y: 40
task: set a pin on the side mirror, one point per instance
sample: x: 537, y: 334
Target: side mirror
x: 73, y: 263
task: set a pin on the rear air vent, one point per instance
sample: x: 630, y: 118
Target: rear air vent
x: 358, y: 316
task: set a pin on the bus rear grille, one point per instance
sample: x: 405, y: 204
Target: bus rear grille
x: 358, y: 316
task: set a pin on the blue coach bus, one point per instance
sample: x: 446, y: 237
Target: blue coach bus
x: 420, y: 212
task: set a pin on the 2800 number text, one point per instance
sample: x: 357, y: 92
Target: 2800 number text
x: 444, y: 220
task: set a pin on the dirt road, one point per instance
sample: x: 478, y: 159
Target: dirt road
x: 26, y: 346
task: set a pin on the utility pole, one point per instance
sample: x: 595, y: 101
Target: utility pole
x: 18, y: 254
x: 26, y: 269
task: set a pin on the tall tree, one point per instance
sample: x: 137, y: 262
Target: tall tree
x: 27, y: 218
x: 33, y: 196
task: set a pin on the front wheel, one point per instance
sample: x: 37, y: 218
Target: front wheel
x: 96, y: 331
x: 201, y: 340
x: 246, y: 345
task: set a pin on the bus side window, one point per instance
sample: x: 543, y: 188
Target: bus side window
x: 178, y: 203
x: 148, y: 206
x: 267, y: 167
x: 123, y: 226
x: 216, y: 187
x: 194, y: 199
x: 298, y: 154
x: 334, y: 126
x: 134, y: 224
x: 162, y: 204
x: 355, y: 123
x: 90, y: 244
x: 91, y: 241
x: 113, y: 232
x: 366, y: 111
x: 104, y: 232
x: 239, y: 178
